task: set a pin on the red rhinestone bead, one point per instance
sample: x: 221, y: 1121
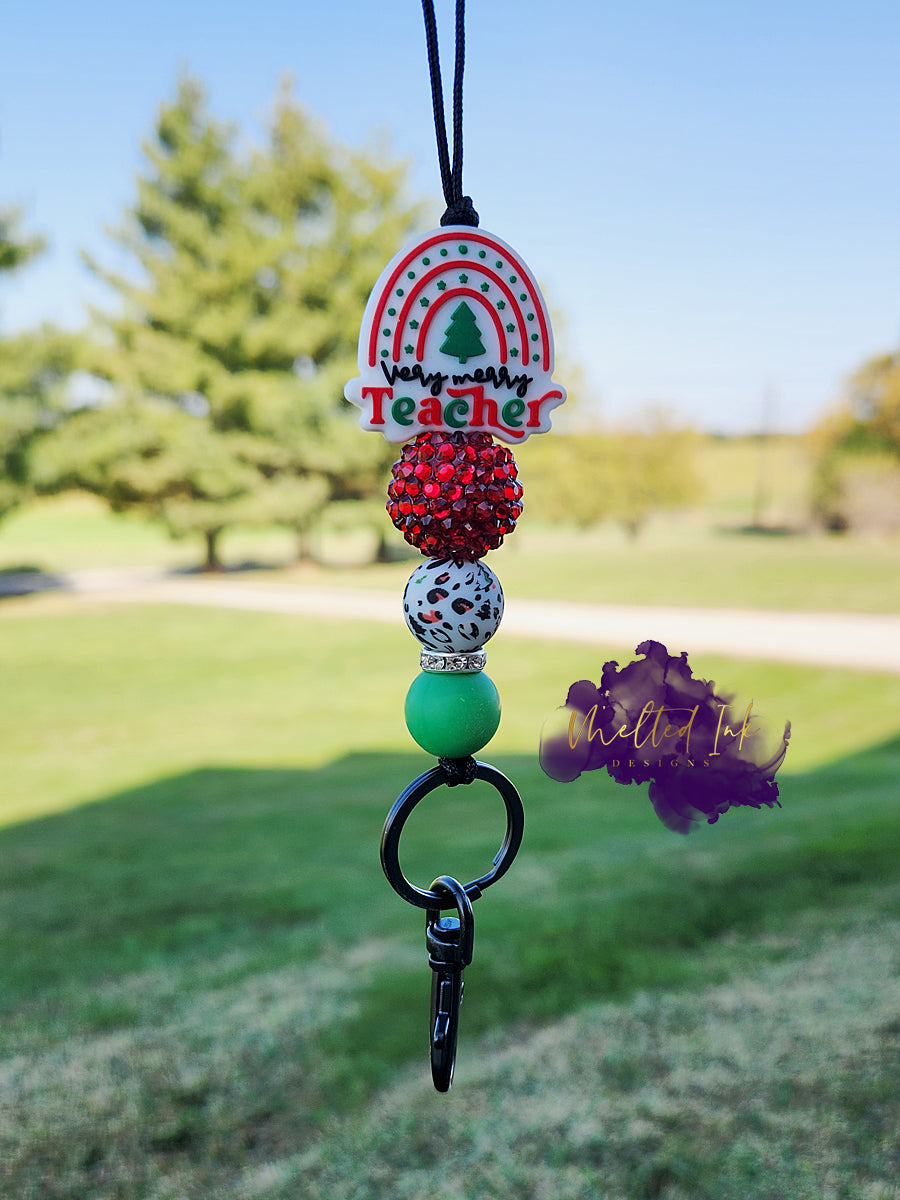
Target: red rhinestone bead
x: 455, y: 495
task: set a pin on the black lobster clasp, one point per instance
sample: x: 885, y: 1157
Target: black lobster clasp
x: 449, y: 941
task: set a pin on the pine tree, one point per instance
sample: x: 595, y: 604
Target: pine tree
x: 229, y: 355
x: 463, y: 339
x: 33, y: 367
x: 16, y: 248
x: 333, y: 219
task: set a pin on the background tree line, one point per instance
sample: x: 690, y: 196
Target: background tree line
x: 216, y: 377
x: 856, y: 485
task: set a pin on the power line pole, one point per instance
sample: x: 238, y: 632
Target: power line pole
x: 766, y: 430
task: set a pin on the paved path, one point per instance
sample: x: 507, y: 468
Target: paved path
x: 829, y: 639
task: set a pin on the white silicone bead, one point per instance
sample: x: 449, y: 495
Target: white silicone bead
x: 453, y: 607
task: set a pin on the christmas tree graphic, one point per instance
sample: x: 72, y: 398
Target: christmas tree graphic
x: 463, y: 335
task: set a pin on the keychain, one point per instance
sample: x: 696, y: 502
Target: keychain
x: 448, y: 939
x: 455, y: 351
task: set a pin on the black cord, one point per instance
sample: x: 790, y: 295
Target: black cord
x: 460, y: 210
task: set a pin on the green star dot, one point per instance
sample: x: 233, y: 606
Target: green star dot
x: 392, y: 312
x: 501, y: 304
x: 408, y: 349
x: 424, y: 301
x: 485, y: 287
x: 463, y: 279
x: 510, y: 328
x: 514, y: 352
x: 441, y: 285
x: 414, y: 324
x: 463, y: 249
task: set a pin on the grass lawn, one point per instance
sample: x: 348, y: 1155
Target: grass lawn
x: 675, y: 562
x: 739, y: 474
x: 77, y: 530
x: 683, y: 560
x: 209, y: 989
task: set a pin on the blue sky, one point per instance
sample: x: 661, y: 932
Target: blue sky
x: 708, y: 192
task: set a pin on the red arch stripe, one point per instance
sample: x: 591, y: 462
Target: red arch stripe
x: 424, y: 282
x: 480, y: 240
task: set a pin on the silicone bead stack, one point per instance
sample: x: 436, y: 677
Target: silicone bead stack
x: 454, y: 496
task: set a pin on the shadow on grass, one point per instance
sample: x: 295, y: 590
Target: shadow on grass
x: 762, y: 531
x: 279, y: 867
x: 26, y: 579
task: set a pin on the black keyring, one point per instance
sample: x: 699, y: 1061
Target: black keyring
x: 407, y: 801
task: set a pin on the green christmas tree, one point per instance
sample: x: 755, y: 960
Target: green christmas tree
x: 463, y: 335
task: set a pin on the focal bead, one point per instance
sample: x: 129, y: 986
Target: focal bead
x: 451, y: 606
x: 469, y: 496
x: 452, y: 715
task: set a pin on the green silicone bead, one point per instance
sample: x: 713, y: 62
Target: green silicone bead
x: 452, y: 715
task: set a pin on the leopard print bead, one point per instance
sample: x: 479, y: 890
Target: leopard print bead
x: 453, y: 606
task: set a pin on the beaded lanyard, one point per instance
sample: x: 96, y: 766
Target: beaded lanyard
x: 455, y: 350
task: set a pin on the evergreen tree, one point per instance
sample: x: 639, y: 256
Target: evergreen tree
x: 229, y: 354
x: 33, y: 367
x: 16, y: 247
x: 463, y: 335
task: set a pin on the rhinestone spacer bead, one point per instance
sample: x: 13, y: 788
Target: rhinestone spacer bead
x: 468, y: 663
